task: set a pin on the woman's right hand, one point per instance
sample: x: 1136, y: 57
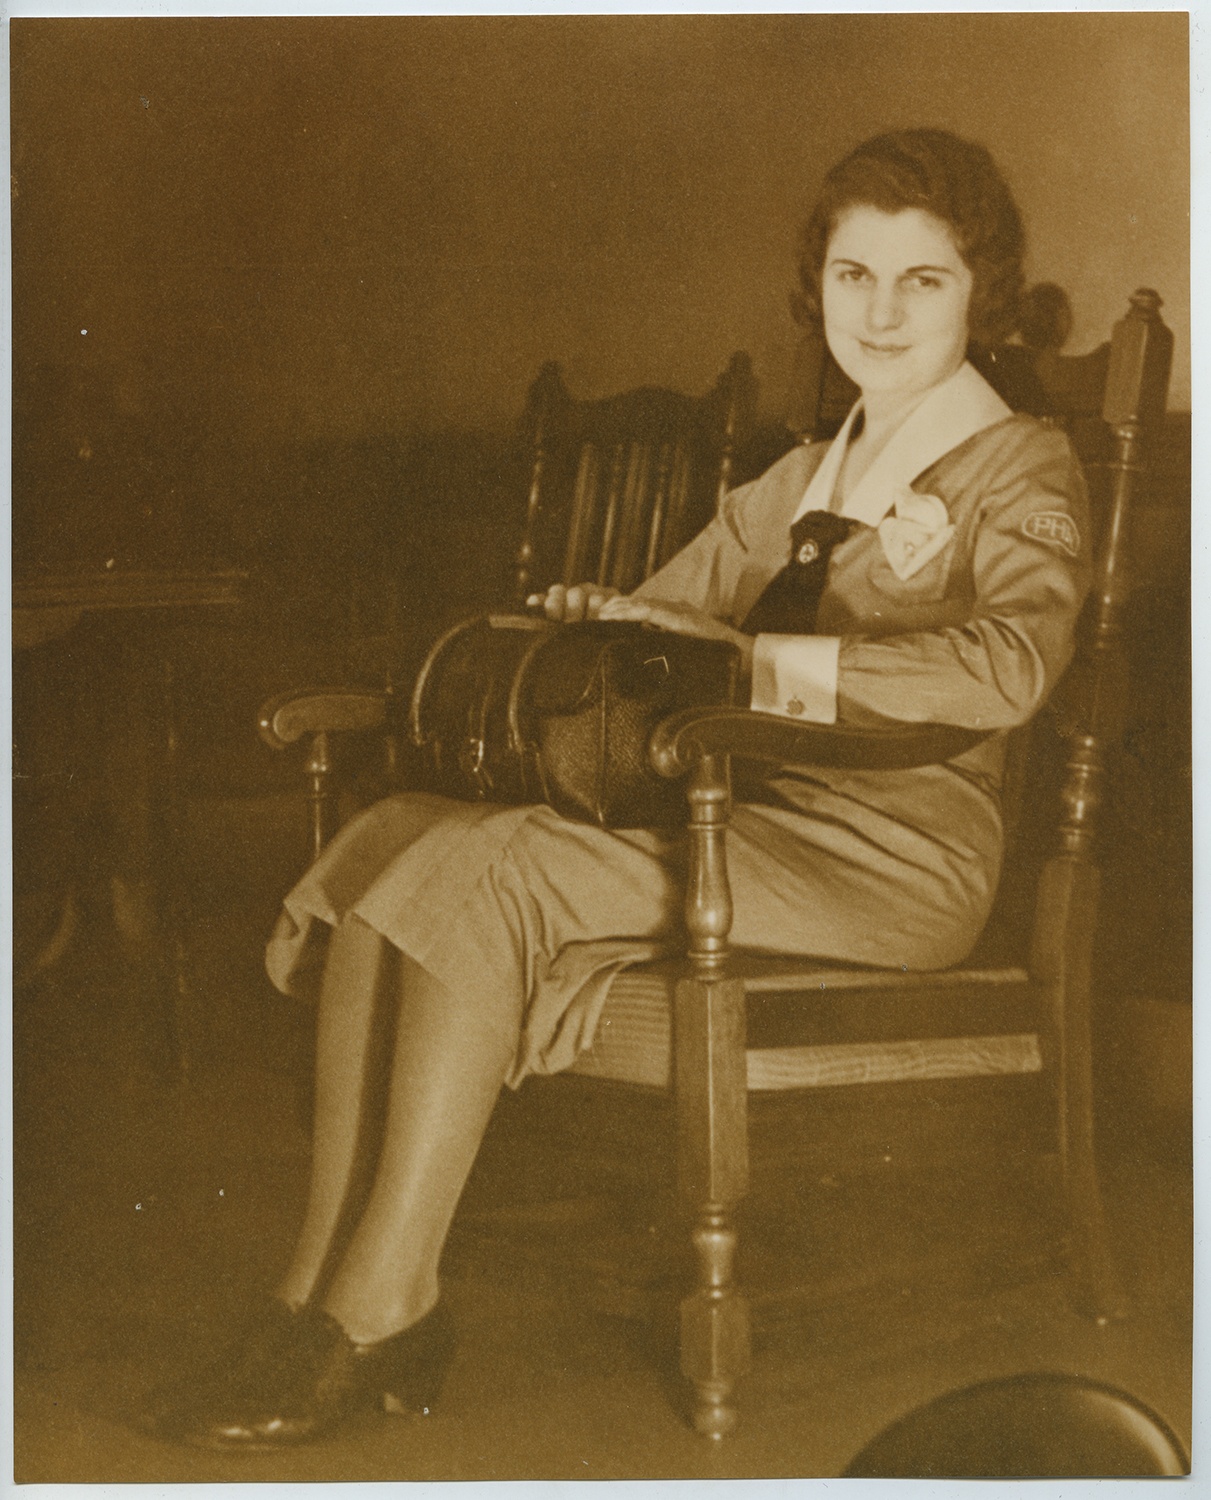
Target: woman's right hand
x: 582, y: 601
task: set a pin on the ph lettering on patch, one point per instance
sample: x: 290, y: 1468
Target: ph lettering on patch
x: 1054, y: 526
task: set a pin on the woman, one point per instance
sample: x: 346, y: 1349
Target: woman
x: 937, y: 563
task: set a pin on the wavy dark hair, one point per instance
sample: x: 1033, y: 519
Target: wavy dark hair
x: 955, y: 180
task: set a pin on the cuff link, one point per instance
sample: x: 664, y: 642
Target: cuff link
x: 794, y: 707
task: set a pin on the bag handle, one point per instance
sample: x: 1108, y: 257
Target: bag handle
x: 517, y: 738
x: 416, y: 706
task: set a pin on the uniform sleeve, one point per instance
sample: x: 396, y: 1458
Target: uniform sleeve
x: 706, y: 572
x: 1031, y: 571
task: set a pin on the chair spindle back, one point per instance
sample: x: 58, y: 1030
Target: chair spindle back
x: 625, y: 481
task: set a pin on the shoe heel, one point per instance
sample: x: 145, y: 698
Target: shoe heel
x: 419, y: 1404
x: 414, y: 1386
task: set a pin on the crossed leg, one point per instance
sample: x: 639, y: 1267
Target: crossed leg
x: 447, y: 1062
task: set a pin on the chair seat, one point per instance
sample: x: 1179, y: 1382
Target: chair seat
x: 802, y: 1022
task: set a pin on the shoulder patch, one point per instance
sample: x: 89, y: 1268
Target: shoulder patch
x: 1054, y: 526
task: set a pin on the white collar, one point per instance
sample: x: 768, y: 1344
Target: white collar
x: 952, y: 412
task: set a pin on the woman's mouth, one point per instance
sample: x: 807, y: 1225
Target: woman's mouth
x: 883, y: 351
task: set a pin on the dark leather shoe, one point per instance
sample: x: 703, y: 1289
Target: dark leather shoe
x: 238, y: 1369
x: 320, y: 1377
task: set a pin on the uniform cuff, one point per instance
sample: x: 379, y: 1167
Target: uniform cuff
x: 796, y: 676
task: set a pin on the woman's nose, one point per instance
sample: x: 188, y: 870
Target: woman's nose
x: 884, y: 309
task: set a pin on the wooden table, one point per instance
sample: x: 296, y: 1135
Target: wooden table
x: 146, y: 905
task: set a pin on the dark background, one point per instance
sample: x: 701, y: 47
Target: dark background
x: 289, y: 239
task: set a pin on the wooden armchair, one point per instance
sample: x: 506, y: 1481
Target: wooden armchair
x: 723, y: 1026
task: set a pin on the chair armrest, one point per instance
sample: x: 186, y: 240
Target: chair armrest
x: 681, y: 739
x: 328, y: 710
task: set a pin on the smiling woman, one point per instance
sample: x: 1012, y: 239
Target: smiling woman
x: 913, y: 251
x: 896, y: 294
x: 926, y: 567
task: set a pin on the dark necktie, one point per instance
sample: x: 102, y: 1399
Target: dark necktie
x: 791, y: 599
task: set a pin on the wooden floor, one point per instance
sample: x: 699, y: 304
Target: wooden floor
x: 148, y: 1210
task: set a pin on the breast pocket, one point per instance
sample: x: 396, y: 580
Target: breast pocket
x: 926, y: 586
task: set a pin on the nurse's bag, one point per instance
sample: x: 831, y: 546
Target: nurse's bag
x: 516, y: 709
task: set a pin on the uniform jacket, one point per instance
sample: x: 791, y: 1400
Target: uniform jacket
x: 955, y: 598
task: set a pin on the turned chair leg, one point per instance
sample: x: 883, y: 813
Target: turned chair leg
x: 1096, y: 1289
x: 712, y: 1116
x: 1068, y: 892
x: 712, y: 1175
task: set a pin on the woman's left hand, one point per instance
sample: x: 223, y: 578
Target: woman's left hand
x: 683, y: 619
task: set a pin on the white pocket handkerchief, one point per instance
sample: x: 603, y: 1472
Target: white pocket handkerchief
x: 916, y: 529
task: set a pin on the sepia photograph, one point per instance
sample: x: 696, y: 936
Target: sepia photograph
x: 602, y: 778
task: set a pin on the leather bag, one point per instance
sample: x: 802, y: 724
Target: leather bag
x: 515, y: 709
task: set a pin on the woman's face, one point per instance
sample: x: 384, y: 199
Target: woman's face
x: 895, y: 296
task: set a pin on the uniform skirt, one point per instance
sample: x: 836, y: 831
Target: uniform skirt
x: 517, y: 902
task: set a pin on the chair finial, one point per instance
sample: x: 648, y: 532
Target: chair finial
x: 1141, y: 351
x: 1147, y: 302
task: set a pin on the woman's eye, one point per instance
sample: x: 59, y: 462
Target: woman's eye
x: 852, y: 274
x: 920, y: 282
